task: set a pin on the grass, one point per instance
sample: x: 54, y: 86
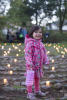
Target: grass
x: 20, y: 48
x: 53, y: 51
x: 17, y: 87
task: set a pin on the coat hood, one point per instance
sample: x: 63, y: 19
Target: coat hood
x: 29, y: 39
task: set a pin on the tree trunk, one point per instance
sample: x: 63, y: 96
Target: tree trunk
x: 60, y: 28
x: 36, y: 18
x: 62, y: 15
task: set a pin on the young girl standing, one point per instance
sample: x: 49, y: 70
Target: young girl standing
x: 35, y: 56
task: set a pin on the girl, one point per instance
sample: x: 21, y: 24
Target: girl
x: 35, y: 56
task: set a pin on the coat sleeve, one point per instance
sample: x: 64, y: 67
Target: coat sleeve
x: 29, y: 55
x: 45, y: 60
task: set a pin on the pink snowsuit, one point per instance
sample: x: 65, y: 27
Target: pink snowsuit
x: 35, y: 56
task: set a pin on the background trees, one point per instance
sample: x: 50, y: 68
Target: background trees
x: 3, y: 8
x: 19, y: 13
x: 48, y: 8
x: 24, y: 11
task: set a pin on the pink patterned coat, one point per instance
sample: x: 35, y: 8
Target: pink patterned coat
x: 35, y: 55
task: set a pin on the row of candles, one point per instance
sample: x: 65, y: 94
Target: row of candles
x: 55, y: 46
x: 5, y: 81
x: 15, y: 60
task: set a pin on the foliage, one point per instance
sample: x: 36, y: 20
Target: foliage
x: 2, y: 37
x: 58, y: 8
x: 3, y: 5
x: 18, y: 13
x: 49, y: 8
x: 61, y: 12
x: 3, y: 21
x: 55, y: 37
x: 3, y: 17
x: 36, y: 6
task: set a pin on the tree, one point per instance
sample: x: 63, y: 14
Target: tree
x: 19, y: 12
x: 61, y: 12
x: 49, y: 8
x: 57, y: 8
x: 3, y: 21
x: 3, y: 5
x: 3, y: 18
x: 36, y: 6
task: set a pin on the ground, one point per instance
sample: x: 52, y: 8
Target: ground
x: 12, y: 69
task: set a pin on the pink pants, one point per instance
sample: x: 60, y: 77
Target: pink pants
x: 36, y: 85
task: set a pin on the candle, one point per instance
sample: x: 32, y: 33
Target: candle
x: 8, y: 65
x: 13, y: 46
x: 17, y: 55
x: 19, y: 44
x: 47, y: 83
x: 65, y: 49
x: 58, y: 51
x: 24, y: 50
x: 52, y: 60
x: 19, y: 50
x: 48, y: 52
x: 5, y: 81
x: 2, y: 47
x: 10, y: 72
x: 62, y: 56
x: 16, y: 47
x: 5, y: 54
x: 53, y: 68
x: 5, y: 44
x: 15, y: 60
x: 54, y: 46
x: 9, y: 49
x: 8, y: 52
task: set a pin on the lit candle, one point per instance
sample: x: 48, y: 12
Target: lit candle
x: 10, y: 72
x: 8, y: 52
x: 62, y: 52
x: 15, y: 60
x: 65, y: 49
x: 5, y: 44
x: 9, y: 49
x: 48, y: 52
x: 54, y: 46
x: 52, y: 60
x: 5, y: 81
x: 19, y: 44
x: 47, y: 83
x: 19, y: 50
x: 17, y: 55
x: 5, y: 54
x: 24, y: 50
x: 53, y: 68
x: 8, y: 65
x: 4, y: 51
x: 16, y: 47
x: 62, y: 56
x: 13, y: 45
x: 2, y: 47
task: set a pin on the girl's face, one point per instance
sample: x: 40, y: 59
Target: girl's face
x: 37, y: 34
